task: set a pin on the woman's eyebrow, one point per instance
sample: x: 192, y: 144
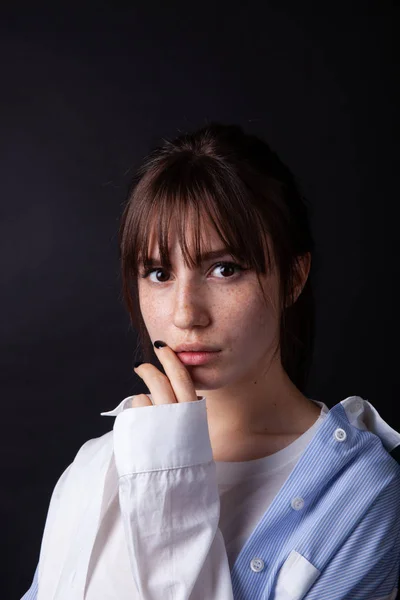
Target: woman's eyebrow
x: 205, y: 256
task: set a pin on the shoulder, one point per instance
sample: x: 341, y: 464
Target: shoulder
x: 371, y: 430
x: 89, y: 463
x: 92, y: 458
x: 362, y: 442
x: 91, y: 448
x: 348, y: 463
x: 93, y: 454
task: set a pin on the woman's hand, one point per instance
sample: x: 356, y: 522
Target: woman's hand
x: 175, y: 386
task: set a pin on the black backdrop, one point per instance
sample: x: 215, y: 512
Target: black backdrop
x: 84, y: 95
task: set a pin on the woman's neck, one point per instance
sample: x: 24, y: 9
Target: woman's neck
x: 252, y: 425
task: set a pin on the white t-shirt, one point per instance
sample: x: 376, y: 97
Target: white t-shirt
x: 246, y: 489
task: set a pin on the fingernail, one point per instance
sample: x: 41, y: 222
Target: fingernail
x: 137, y: 364
x: 159, y: 344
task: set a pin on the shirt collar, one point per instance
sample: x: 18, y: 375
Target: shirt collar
x: 363, y: 415
x: 360, y: 413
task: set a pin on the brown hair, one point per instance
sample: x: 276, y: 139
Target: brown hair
x: 249, y: 194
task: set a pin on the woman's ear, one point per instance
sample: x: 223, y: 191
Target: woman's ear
x: 303, y: 267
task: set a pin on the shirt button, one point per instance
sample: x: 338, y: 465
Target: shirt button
x: 297, y: 503
x: 340, y: 435
x: 257, y: 565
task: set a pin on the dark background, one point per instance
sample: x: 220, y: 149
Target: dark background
x: 84, y: 95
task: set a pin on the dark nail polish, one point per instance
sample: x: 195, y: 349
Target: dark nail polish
x: 137, y: 364
x: 159, y: 344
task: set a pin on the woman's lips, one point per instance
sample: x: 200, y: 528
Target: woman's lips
x: 196, y: 358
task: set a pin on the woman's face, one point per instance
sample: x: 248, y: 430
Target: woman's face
x: 218, y: 306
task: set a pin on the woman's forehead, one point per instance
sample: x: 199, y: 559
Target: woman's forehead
x: 208, y: 239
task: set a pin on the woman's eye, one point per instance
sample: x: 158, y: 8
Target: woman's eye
x: 224, y: 266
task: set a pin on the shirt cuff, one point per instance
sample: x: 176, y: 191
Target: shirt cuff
x: 162, y: 436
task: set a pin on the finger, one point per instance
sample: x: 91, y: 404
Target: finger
x: 178, y: 375
x: 160, y: 388
x: 140, y: 400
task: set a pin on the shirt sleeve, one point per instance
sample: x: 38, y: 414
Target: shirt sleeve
x: 170, y: 503
x: 367, y: 566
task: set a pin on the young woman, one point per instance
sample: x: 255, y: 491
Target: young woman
x: 232, y: 484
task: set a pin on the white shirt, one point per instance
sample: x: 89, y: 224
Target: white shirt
x: 144, y: 512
